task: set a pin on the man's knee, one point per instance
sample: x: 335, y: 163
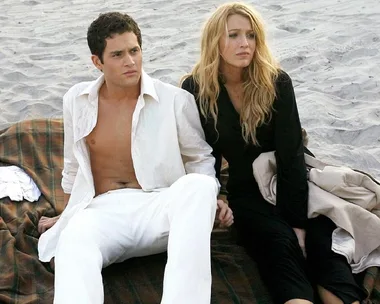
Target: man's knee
x: 200, y: 182
x: 201, y: 189
x: 76, y: 236
x: 76, y: 247
x: 72, y: 240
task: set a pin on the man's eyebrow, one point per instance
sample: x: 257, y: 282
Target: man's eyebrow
x: 116, y: 52
x: 122, y: 51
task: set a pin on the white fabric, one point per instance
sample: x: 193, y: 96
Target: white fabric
x: 127, y: 223
x: 351, y: 199
x: 167, y: 143
x: 343, y: 243
x: 167, y: 136
x: 17, y: 185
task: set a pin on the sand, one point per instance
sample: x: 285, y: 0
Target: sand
x: 330, y: 48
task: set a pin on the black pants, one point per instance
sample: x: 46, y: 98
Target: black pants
x: 272, y: 243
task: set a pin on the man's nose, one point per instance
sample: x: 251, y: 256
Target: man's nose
x: 128, y: 60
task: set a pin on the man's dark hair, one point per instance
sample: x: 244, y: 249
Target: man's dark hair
x: 106, y: 26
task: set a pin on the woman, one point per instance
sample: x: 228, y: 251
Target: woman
x: 247, y: 106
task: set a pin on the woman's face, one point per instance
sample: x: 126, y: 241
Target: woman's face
x: 237, y: 45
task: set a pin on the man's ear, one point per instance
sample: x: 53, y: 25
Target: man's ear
x: 97, y: 62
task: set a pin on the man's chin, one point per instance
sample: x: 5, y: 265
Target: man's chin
x: 131, y: 81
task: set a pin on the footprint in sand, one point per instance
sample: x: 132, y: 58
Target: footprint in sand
x: 349, y: 55
x: 360, y: 53
x: 294, y: 61
x: 293, y: 29
x: 340, y: 39
x: 305, y: 31
x: 15, y: 77
x: 334, y: 55
x: 274, y: 7
x: 288, y: 28
x: 179, y: 45
x: 308, y: 13
x: 50, y: 44
x: 31, y: 2
x: 67, y: 57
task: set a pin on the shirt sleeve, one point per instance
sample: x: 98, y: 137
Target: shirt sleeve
x: 70, y: 164
x: 195, y: 151
x: 188, y: 85
x: 218, y: 163
x: 292, y: 187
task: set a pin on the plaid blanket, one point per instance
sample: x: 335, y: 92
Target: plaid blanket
x: 36, y: 146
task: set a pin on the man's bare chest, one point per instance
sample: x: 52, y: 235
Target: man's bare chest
x: 112, y: 132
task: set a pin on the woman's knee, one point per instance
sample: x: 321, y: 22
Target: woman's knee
x: 285, y: 248
x: 279, y: 253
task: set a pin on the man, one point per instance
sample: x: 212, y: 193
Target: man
x: 138, y: 177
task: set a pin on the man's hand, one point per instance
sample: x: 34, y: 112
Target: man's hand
x: 224, y: 214
x: 46, y: 222
x: 301, y: 234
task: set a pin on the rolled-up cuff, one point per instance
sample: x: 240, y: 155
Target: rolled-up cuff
x: 67, y: 183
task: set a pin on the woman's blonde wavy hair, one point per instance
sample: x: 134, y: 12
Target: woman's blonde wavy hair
x: 259, y: 77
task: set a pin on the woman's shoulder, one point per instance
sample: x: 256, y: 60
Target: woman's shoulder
x: 282, y: 78
x: 284, y: 86
x: 285, y: 97
x: 189, y: 84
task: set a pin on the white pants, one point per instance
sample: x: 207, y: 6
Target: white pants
x: 127, y: 223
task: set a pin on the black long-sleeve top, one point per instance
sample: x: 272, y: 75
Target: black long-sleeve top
x: 282, y: 135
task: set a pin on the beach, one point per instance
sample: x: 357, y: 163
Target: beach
x: 330, y: 48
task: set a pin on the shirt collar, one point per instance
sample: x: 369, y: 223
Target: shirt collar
x: 147, y: 87
x: 93, y: 88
